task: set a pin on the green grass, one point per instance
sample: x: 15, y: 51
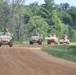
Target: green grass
x: 17, y: 42
x: 65, y: 51
x: 20, y: 42
x: 26, y: 42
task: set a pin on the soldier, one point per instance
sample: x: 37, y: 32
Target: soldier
x: 5, y: 30
x: 35, y: 33
x: 63, y: 37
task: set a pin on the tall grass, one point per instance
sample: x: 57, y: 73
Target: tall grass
x: 65, y: 51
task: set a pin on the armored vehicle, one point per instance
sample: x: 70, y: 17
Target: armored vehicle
x: 52, y: 39
x: 64, y: 39
x: 35, y: 37
x: 6, y: 38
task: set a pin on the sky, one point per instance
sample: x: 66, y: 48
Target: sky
x: 70, y: 2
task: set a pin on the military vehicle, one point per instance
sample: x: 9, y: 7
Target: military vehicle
x: 64, y: 39
x: 52, y: 39
x: 35, y: 37
x: 6, y: 38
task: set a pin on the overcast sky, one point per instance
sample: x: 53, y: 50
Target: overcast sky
x: 71, y: 2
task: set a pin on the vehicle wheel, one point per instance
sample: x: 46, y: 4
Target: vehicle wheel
x: 48, y: 42
x: 10, y: 44
x: 61, y: 43
x: 31, y: 42
x: 40, y: 42
x: 67, y: 42
x: 0, y: 45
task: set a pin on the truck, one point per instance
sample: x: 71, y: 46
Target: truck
x: 52, y: 39
x: 64, y: 39
x: 6, y: 38
x: 35, y: 37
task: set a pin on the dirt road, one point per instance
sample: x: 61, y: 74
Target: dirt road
x: 29, y: 60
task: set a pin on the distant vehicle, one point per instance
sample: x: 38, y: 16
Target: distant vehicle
x: 52, y: 39
x: 6, y: 38
x: 35, y: 37
x: 64, y: 39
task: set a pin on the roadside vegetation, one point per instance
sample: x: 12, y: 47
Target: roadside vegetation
x: 65, y: 51
x: 27, y: 42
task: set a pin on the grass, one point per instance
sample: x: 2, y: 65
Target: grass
x: 27, y: 42
x: 20, y: 42
x: 65, y: 51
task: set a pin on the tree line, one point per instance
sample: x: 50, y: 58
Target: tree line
x: 46, y: 18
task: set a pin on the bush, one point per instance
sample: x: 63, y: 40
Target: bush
x: 65, y: 51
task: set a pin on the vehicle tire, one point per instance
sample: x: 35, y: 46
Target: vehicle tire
x: 48, y: 42
x: 61, y: 43
x: 0, y: 45
x: 31, y: 42
x: 40, y: 42
x: 10, y: 44
x: 67, y: 42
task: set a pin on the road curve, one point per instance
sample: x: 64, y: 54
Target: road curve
x: 29, y: 60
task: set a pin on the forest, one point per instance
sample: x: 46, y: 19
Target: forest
x: 47, y: 18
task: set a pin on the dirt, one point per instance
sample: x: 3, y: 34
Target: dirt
x: 30, y: 60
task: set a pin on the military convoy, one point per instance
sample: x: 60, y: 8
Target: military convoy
x: 6, y: 38
x: 35, y: 37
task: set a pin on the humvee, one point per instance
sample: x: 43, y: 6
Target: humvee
x: 35, y: 37
x: 6, y: 38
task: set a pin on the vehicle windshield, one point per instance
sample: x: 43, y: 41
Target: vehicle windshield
x: 4, y: 33
x: 35, y: 34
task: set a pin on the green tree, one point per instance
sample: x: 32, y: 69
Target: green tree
x: 65, y: 29
x: 43, y: 12
x: 64, y: 6
x: 33, y: 7
x: 49, y: 4
x: 72, y: 34
x: 72, y: 12
x: 27, y: 14
x: 56, y: 24
x: 65, y: 17
x: 37, y: 23
x: 4, y: 11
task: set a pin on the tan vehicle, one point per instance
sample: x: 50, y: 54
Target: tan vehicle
x: 52, y: 39
x: 64, y: 39
x: 6, y: 38
x: 35, y: 37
